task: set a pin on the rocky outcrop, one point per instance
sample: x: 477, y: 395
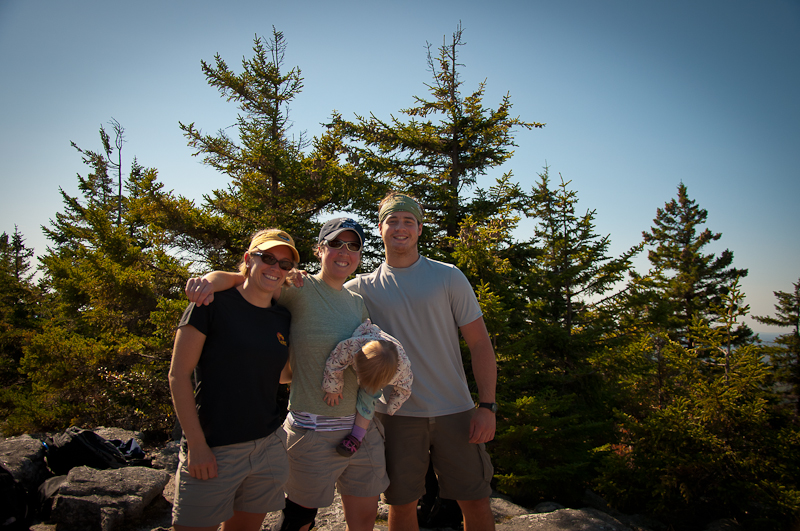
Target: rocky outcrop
x: 140, y: 498
x: 24, y: 457
x: 564, y: 520
x: 104, y: 500
x: 86, y: 498
x: 508, y: 517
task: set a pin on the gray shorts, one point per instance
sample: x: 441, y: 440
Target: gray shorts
x: 315, y: 466
x: 463, y: 469
x: 250, y: 478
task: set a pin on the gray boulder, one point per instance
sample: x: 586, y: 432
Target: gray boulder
x: 547, y: 507
x: 102, y: 500
x: 119, y: 434
x: 564, y: 520
x: 166, y: 457
x: 23, y: 456
x: 504, y: 509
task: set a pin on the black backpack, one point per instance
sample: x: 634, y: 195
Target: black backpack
x: 78, y: 447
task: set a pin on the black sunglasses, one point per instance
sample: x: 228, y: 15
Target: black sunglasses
x: 286, y: 265
x: 353, y: 247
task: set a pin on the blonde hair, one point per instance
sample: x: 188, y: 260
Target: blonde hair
x: 376, y: 365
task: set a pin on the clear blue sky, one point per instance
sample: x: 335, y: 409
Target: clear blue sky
x: 637, y: 97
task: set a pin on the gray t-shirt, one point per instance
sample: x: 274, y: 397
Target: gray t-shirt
x: 423, y: 306
x: 321, y: 318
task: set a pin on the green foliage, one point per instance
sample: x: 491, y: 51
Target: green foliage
x: 273, y: 182
x: 20, y: 302
x: 685, y: 282
x: 785, y: 357
x: 103, y: 355
x: 566, y: 293
x: 650, y: 392
x: 557, y: 405
x: 712, y: 443
x: 437, y: 155
x: 643, y: 373
x: 486, y: 252
x: 544, y: 448
x: 22, y: 312
x: 570, y: 278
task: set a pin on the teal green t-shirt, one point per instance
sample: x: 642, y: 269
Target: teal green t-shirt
x: 321, y: 318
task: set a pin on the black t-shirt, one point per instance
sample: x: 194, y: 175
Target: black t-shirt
x: 246, y: 348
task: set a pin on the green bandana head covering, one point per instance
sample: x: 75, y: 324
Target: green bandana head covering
x: 400, y: 203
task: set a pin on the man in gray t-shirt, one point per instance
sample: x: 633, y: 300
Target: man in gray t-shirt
x: 424, y: 304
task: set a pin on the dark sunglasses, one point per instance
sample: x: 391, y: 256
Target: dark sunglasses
x: 353, y: 247
x: 286, y: 265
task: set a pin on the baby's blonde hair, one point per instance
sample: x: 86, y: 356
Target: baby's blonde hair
x: 376, y: 365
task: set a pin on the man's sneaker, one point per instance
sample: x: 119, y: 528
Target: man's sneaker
x: 348, y: 446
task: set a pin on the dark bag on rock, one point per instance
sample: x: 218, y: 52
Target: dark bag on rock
x: 13, y: 502
x: 78, y: 447
x: 133, y: 453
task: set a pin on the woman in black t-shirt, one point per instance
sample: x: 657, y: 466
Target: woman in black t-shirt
x: 233, y: 460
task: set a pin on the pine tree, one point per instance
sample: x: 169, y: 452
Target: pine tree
x: 552, y: 395
x: 494, y: 262
x: 685, y: 281
x: 572, y: 276
x: 437, y: 155
x: 103, y: 355
x: 273, y: 182
x: 16, y: 256
x: 714, y: 443
x: 786, y: 358
x: 21, y: 307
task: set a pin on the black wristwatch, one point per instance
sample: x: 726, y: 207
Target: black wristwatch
x: 491, y: 406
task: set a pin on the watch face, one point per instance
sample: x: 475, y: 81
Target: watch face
x: 489, y: 405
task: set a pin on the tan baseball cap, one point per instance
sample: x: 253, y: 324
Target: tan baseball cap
x: 269, y: 238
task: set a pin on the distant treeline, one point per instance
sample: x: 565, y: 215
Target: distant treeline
x: 648, y: 388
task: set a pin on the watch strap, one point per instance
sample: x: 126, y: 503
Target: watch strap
x: 491, y: 406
